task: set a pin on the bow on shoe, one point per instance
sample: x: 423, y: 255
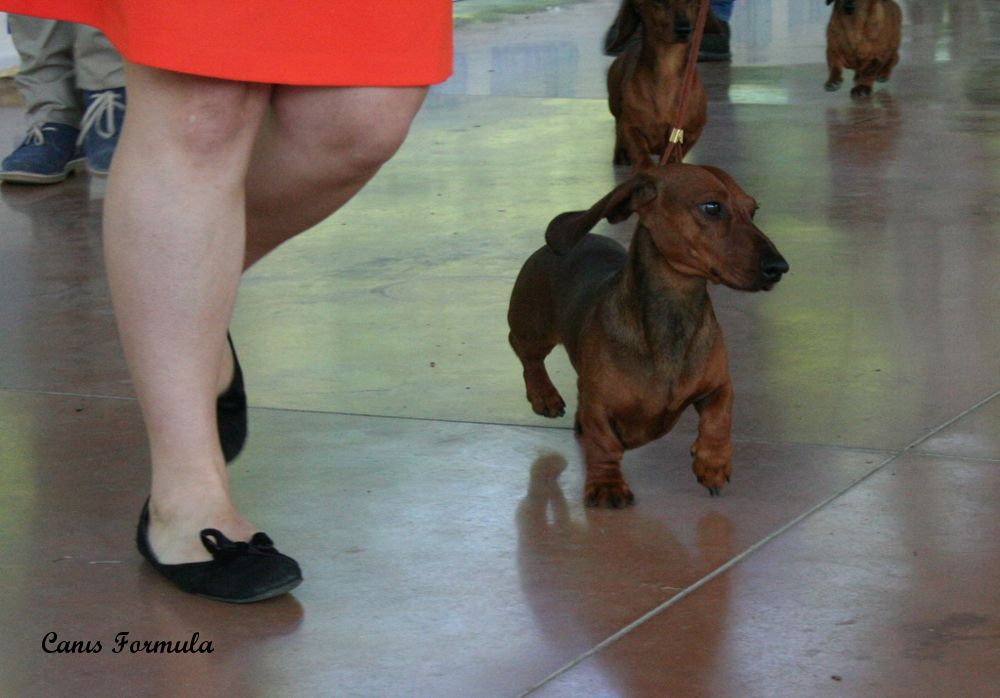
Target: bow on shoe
x: 225, y: 551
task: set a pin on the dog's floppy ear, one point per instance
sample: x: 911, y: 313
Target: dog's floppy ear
x: 567, y: 228
x: 624, y: 27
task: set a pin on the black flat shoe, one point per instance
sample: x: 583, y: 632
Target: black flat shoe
x: 238, y: 573
x: 231, y: 412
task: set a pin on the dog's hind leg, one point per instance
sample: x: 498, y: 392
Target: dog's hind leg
x: 542, y: 394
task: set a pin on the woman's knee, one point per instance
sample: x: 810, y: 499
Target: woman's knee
x: 205, y: 117
x: 362, y: 127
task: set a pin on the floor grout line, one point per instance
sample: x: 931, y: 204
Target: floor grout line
x: 613, y: 638
x: 952, y: 456
x: 942, y: 427
x: 368, y: 415
x: 64, y: 393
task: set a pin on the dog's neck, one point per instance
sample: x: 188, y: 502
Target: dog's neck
x: 668, y: 311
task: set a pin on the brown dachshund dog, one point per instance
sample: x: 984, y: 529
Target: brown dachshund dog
x: 644, y: 82
x: 863, y: 35
x: 638, y: 325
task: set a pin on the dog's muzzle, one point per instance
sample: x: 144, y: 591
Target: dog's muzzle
x: 772, y: 268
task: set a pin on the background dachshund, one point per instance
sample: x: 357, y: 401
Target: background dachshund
x: 644, y: 81
x: 638, y: 325
x: 863, y: 35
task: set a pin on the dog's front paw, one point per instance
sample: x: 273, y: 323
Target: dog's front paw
x: 713, y: 463
x: 712, y: 475
x: 833, y: 85
x: 614, y: 494
x: 548, y: 403
x: 859, y: 91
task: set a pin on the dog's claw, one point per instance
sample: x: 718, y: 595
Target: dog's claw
x: 610, y: 496
x: 618, y: 502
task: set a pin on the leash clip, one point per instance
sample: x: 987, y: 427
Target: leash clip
x: 676, y: 135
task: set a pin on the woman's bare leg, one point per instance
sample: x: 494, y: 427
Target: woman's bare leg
x: 174, y: 233
x: 174, y: 244
x: 319, y: 148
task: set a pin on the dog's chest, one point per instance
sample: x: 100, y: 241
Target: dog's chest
x: 651, y: 100
x: 644, y: 394
x: 644, y: 413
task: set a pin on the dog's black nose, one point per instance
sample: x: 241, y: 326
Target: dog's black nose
x: 772, y: 268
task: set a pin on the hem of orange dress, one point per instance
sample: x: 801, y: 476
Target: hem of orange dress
x: 298, y: 79
x: 160, y: 57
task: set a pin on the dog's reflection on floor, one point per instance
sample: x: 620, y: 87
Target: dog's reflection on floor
x: 586, y: 573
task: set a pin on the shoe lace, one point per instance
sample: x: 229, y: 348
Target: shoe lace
x: 100, y: 115
x: 36, y: 135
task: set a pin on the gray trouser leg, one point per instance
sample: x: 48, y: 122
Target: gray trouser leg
x: 98, y: 65
x: 46, y: 78
x: 57, y: 59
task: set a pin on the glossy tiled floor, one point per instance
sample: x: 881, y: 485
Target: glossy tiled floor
x: 440, y: 524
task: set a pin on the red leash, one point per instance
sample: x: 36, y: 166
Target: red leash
x: 672, y: 153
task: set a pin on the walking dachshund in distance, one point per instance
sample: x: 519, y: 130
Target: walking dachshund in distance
x: 863, y: 35
x: 646, y: 79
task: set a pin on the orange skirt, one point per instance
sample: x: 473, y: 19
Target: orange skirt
x: 293, y: 42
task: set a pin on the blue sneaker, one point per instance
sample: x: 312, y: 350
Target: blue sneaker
x: 100, y: 127
x: 47, y: 155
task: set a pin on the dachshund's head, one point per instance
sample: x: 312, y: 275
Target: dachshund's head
x: 845, y: 6
x: 702, y: 225
x: 700, y: 221
x: 667, y: 21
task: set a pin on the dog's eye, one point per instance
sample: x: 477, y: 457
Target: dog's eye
x: 713, y: 209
